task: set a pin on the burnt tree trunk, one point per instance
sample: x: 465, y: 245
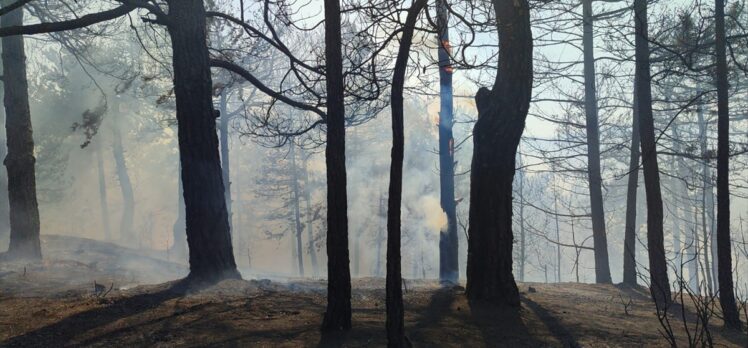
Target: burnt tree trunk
x: 23, y: 206
x: 724, y: 248
x: 630, y: 231
x: 128, y: 198
x: 448, y: 242
x: 208, y: 236
x: 298, y: 227
x: 496, y: 135
x: 338, y: 313
x: 660, y: 286
x: 394, y: 288
x: 103, y: 200
x: 599, y: 237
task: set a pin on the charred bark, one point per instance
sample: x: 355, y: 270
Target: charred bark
x: 731, y: 316
x: 211, y: 256
x: 338, y: 313
x: 496, y: 135
x: 660, y: 286
x: 395, y: 310
x: 208, y: 237
x: 630, y: 231
x: 19, y: 161
x: 599, y: 237
x: 448, y: 242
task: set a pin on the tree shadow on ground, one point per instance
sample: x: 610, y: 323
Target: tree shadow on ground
x: 419, y: 330
x: 502, y: 326
x: 677, y: 312
x: 438, y: 308
x: 61, y: 333
x: 443, y: 322
x: 361, y: 335
x: 716, y: 328
x: 552, y: 323
x: 638, y: 293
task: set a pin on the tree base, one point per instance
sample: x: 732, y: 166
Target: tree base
x: 335, y: 323
x: 734, y: 326
x: 201, y: 280
x: 13, y: 256
x: 510, y: 300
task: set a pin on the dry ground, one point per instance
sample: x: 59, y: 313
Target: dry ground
x: 52, y: 304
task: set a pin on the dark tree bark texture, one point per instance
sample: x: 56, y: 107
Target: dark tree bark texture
x: 629, y: 237
x: 659, y: 284
x: 208, y: 237
x: 501, y: 121
x: 19, y: 161
x: 599, y: 237
x: 338, y: 314
x: 730, y: 312
x: 395, y: 311
x: 208, y: 234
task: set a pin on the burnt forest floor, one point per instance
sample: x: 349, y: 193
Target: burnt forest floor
x: 52, y: 304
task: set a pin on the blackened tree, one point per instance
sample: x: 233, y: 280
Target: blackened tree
x: 208, y: 237
x: 501, y: 120
x: 19, y: 161
x: 731, y: 315
x: 395, y: 311
x: 660, y: 286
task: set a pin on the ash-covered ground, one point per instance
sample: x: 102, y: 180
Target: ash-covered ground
x: 136, y: 303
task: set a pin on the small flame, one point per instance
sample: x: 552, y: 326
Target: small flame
x: 447, y: 46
